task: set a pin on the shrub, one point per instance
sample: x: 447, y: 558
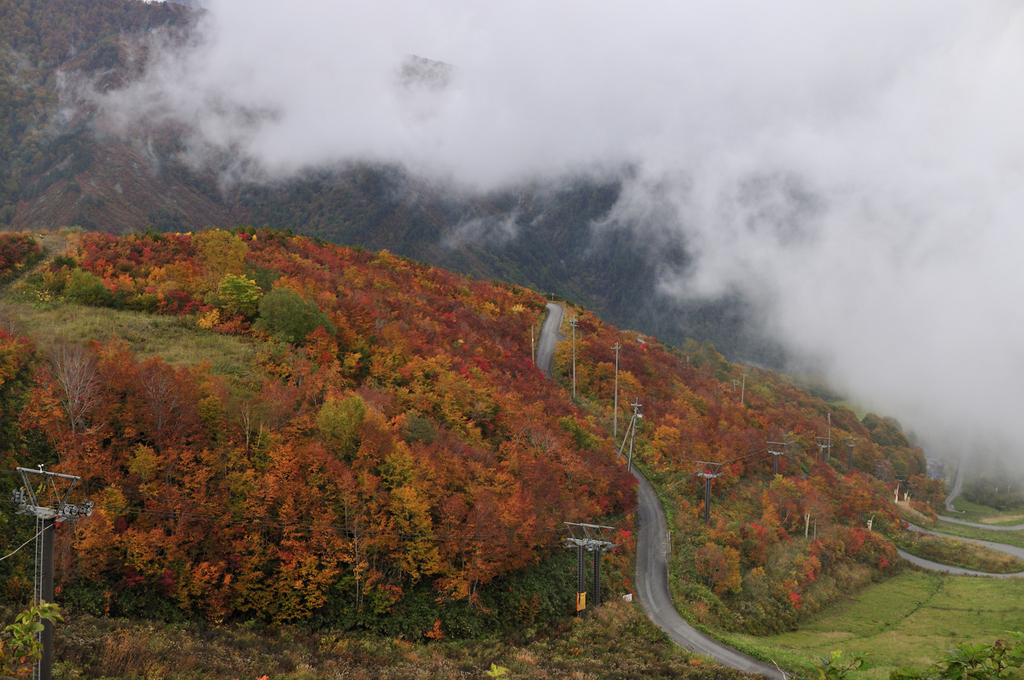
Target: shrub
x: 87, y: 289
x: 239, y: 295
x: 286, y: 316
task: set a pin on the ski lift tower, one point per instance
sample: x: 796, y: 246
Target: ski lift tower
x: 709, y: 471
x: 47, y: 497
x: 777, y: 449
x: 592, y: 538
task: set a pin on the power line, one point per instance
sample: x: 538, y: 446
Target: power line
x: 13, y: 552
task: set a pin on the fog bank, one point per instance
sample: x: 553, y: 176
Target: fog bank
x: 856, y: 170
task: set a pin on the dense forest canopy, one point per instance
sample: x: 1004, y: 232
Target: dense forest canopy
x: 371, y: 437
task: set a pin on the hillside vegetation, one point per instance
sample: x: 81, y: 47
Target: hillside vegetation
x: 284, y: 430
x: 381, y: 446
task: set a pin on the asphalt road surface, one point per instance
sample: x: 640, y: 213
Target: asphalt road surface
x: 549, y: 336
x: 958, y: 485
x: 936, y: 566
x: 652, y: 549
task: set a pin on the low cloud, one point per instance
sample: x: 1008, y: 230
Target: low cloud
x: 855, y: 170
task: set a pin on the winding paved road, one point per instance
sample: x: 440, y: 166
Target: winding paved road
x: 549, y: 337
x: 958, y: 485
x: 652, y: 550
x: 654, y: 544
x: 936, y: 566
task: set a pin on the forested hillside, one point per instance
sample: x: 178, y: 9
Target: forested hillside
x: 386, y: 432
x: 352, y: 438
x: 59, y: 167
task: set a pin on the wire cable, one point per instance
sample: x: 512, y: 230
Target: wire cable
x: 11, y: 554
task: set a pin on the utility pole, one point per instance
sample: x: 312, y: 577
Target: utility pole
x: 743, y: 388
x: 533, y: 347
x: 777, y: 449
x: 708, y: 471
x: 49, y: 502
x: 572, y: 322
x: 630, y: 434
x: 615, y: 407
x: 592, y: 538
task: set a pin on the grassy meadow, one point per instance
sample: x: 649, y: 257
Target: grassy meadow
x: 909, y: 620
x: 959, y: 553
x: 178, y: 342
x: 1008, y: 537
x: 973, y: 512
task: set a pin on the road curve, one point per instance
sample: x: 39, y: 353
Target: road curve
x: 549, y: 336
x: 958, y: 485
x: 1001, y: 547
x: 945, y: 568
x: 652, y: 550
x: 938, y: 566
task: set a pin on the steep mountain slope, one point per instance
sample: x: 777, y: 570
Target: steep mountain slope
x: 57, y: 170
x: 348, y: 436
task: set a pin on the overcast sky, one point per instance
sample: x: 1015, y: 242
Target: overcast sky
x: 855, y: 167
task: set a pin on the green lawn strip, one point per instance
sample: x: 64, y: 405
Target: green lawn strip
x: 167, y: 337
x: 909, y: 620
x: 1008, y: 537
x: 973, y: 512
x: 958, y: 553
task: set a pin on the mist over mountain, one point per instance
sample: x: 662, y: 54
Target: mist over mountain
x: 838, y: 181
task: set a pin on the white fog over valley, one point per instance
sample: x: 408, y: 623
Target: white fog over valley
x: 856, y: 169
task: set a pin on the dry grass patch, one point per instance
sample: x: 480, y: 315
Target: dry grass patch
x: 616, y: 642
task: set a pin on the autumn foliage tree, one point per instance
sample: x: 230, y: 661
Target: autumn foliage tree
x: 390, y: 453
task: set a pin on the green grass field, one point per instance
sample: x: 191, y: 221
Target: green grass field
x: 147, y: 335
x: 910, y: 620
x: 972, y: 512
x: 1009, y: 537
x: 959, y: 553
